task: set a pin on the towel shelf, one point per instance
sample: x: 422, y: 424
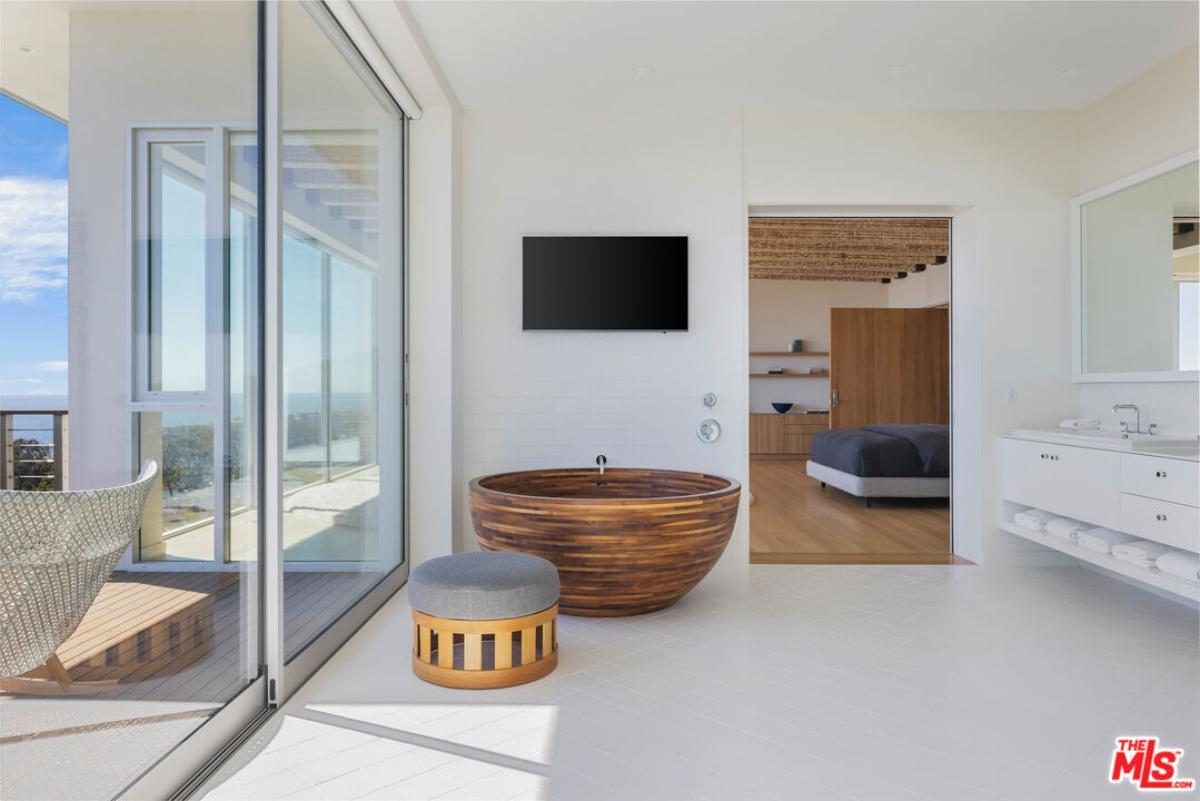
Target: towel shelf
x: 1150, y: 497
x: 1172, y: 584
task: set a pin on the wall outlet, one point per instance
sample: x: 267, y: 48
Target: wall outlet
x: 1012, y: 394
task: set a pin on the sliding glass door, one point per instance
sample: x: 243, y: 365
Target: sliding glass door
x: 236, y: 212
x: 343, y: 324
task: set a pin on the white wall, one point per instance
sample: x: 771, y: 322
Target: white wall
x: 781, y: 311
x: 544, y: 399
x: 1011, y: 175
x: 1146, y: 121
x: 536, y: 400
x: 921, y: 290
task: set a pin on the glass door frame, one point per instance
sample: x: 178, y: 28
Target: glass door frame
x: 286, y: 675
x: 183, y: 770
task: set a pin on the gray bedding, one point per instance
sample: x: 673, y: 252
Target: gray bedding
x: 893, y: 450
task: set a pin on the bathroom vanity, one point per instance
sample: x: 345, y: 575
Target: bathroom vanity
x: 1145, y: 486
x: 1135, y: 279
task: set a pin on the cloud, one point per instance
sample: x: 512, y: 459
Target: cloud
x: 51, y: 367
x: 21, y: 381
x: 33, y: 237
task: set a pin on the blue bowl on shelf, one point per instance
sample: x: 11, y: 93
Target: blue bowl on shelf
x: 782, y: 408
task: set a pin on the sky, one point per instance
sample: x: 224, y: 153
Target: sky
x: 33, y: 252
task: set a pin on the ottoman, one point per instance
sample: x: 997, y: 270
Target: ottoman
x: 484, y: 620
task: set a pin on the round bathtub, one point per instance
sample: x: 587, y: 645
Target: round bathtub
x: 632, y: 542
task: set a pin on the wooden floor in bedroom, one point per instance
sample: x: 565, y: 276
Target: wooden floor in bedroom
x: 794, y: 521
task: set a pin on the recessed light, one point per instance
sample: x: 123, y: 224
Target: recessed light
x: 643, y: 72
x: 24, y: 49
x: 1071, y: 69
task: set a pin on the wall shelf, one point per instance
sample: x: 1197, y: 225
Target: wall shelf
x: 789, y: 375
x: 789, y: 353
x: 1172, y: 584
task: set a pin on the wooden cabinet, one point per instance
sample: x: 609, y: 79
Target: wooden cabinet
x: 784, y: 434
x: 766, y: 433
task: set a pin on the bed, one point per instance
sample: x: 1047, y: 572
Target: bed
x: 884, y: 461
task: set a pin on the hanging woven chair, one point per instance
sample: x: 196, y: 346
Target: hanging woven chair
x: 57, y: 549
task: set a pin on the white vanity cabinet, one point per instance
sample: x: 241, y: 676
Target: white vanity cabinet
x: 1159, y: 500
x: 1173, y: 480
x: 1073, y: 482
x: 1151, y: 496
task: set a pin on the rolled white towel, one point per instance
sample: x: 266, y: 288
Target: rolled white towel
x: 1033, y: 519
x: 1139, y: 552
x: 1064, y: 528
x: 1179, y: 563
x: 1101, y: 540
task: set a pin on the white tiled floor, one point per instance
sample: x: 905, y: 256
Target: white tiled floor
x: 767, y: 682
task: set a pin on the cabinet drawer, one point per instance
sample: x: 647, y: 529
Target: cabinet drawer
x: 802, y: 428
x: 1166, y: 479
x: 1169, y: 523
x: 766, y: 433
x: 1082, y: 483
x: 796, y: 444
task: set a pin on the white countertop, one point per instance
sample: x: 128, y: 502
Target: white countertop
x: 1170, y: 447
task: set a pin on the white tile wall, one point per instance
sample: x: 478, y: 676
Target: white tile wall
x: 546, y: 399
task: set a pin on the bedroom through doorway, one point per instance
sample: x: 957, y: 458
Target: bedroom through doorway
x: 850, y: 390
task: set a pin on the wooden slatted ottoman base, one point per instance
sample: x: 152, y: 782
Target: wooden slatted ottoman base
x: 485, y: 654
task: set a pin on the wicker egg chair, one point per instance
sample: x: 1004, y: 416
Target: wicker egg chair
x: 57, y: 549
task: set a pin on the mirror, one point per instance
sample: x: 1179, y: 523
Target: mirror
x: 1139, y: 281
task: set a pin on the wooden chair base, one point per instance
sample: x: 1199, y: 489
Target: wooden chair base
x: 485, y: 654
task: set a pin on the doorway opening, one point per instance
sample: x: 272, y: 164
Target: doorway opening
x: 850, y: 390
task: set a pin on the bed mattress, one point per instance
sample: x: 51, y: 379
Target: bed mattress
x: 886, y: 451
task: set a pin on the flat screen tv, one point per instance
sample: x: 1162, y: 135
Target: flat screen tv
x: 605, y: 283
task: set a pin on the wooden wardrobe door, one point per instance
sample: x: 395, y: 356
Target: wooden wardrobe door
x: 912, y: 366
x: 852, y: 382
x: 889, y: 366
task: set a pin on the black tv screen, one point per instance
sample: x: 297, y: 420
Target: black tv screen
x: 605, y: 283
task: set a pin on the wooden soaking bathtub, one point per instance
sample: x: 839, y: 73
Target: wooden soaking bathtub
x: 631, y: 542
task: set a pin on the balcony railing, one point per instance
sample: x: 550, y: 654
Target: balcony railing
x: 33, y: 448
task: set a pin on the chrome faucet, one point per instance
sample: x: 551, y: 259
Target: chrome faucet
x: 1137, y: 420
x: 602, y: 460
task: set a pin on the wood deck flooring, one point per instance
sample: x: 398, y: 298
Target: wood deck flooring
x: 181, y: 636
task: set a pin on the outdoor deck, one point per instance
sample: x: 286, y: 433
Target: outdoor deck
x: 179, y: 636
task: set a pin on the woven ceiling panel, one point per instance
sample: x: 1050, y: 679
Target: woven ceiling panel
x: 844, y: 249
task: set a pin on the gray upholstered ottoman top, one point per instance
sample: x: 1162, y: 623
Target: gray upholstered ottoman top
x: 487, y: 585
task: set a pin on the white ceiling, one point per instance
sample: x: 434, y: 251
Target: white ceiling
x: 885, y: 55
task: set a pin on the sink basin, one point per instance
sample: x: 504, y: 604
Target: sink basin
x: 1113, y: 440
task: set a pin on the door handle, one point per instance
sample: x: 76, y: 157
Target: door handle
x: 833, y: 400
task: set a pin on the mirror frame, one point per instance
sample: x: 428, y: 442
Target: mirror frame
x: 1078, y: 375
